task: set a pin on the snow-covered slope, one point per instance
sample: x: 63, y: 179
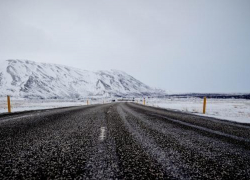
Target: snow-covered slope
x: 28, y: 79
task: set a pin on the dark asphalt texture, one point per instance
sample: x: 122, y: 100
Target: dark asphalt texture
x: 121, y: 141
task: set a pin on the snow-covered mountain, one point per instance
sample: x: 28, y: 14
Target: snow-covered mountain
x: 28, y: 79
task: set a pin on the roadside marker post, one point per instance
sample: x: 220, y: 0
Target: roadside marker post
x: 144, y: 102
x: 87, y: 102
x: 204, y: 105
x: 9, y: 107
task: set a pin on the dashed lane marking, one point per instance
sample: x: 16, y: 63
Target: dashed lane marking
x: 102, y: 134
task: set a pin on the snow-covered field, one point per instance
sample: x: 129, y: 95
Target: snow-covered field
x: 230, y: 109
x: 25, y: 105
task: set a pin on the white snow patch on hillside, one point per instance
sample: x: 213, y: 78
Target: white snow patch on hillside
x: 28, y: 79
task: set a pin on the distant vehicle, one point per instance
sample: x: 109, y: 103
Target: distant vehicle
x: 113, y: 100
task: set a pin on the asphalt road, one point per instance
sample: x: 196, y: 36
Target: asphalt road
x: 121, y: 141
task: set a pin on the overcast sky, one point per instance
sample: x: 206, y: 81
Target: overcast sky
x: 176, y: 45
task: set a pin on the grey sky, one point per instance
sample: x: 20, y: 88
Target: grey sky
x: 177, y: 45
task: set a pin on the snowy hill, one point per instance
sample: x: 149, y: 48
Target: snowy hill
x: 28, y: 79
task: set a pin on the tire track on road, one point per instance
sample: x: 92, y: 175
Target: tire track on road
x: 134, y: 162
x: 168, y: 159
x: 102, y: 161
x: 227, y: 127
x: 201, y: 153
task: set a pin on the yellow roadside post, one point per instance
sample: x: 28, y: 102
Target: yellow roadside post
x: 87, y: 102
x: 204, y: 105
x: 144, y: 101
x: 9, y: 107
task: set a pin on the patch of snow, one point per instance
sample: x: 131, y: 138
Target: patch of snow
x: 28, y: 79
x: 237, y: 110
x: 20, y: 104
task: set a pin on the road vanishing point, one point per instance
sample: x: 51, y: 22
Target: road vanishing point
x: 121, y: 141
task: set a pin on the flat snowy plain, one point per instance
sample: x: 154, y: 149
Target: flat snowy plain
x: 237, y: 110
x: 18, y: 105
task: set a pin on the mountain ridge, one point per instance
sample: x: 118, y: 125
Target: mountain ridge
x: 29, y: 79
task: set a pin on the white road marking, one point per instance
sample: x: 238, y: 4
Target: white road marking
x: 15, y: 118
x: 102, y: 135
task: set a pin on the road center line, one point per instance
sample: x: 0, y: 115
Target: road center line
x: 102, y: 134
